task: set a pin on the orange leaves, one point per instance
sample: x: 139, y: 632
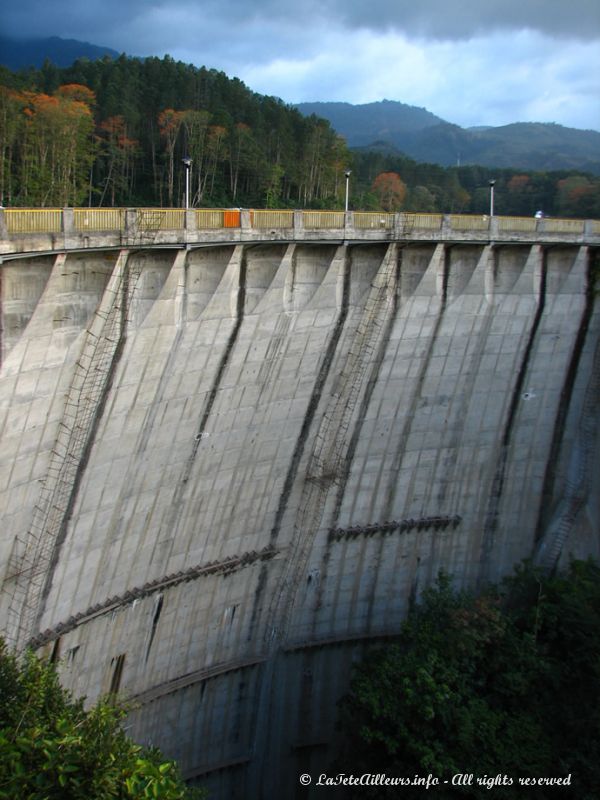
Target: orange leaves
x: 169, y: 122
x: 56, y: 149
x: 217, y: 132
x: 77, y: 92
x: 517, y: 183
x: 390, y: 190
x: 65, y: 107
x: 573, y: 188
x: 113, y: 126
x: 115, y: 129
x: 40, y: 103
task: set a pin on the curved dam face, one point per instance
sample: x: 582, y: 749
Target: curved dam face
x: 227, y: 471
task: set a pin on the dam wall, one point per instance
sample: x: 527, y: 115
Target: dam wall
x: 227, y: 471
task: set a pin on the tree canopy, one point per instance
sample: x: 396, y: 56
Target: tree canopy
x: 116, y: 131
x: 506, y: 684
x: 390, y: 190
x: 51, y: 748
x: 146, y: 116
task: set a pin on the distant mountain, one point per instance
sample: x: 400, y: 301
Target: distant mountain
x: 19, y: 53
x: 364, y: 124
x: 425, y: 137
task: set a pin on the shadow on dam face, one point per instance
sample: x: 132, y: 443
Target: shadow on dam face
x: 231, y: 469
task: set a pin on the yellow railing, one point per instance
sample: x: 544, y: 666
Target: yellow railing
x: 217, y: 218
x: 372, y: 219
x: 272, y: 219
x: 160, y: 219
x: 99, y: 219
x: 25, y: 221
x: 429, y: 222
x: 526, y: 224
x: 563, y: 225
x: 323, y: 219
x: 209, y: 218
x: 469, y: 222
x: 33, y: 220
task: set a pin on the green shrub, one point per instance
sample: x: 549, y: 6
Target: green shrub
x: 51, y: 748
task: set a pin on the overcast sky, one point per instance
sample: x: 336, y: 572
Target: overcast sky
x: 472, y: 62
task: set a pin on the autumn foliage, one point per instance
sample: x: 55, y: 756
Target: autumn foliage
x: 49, y: 139
x: 390, y: 190
x: 115, y: 132
x: 67, y: 145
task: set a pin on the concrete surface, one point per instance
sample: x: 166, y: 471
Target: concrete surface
x: 225, y: 471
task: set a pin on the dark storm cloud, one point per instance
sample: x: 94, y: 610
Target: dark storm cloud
x: 68, y: 18
x: 463, y: 19
x: 439, y: 19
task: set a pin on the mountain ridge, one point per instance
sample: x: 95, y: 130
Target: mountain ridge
x: 411, y: 130
x: 23, y: 53
x: 423, y: 136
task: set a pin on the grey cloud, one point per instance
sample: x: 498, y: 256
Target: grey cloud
x: 439, y: 19
x: 464, y: 19
x: 69, y: 18
x: 461, y: 62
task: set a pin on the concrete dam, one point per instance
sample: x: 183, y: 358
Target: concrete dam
x: 230, y: 459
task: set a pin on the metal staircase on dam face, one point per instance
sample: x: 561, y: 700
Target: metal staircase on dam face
x: 327, y: 463
x: 331, y: 442
x: 31, y: 561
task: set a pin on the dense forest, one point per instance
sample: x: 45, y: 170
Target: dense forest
x: 115, y: 132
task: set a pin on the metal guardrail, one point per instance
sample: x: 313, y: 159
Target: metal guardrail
x: 20, y: 221
x: 523, y: 224
x: 206, y: 220
x: 422, y: 222
x: 212, y: 218
x: 563, y: 225
x: 469, y: 222
x: 271, y: 219
x: 33, y: 220
x: 318, y: 220
x: 98, y: 219
x: 373, y: 219
x: 161, y: 219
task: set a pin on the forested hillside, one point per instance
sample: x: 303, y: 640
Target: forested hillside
x: 465, y: 190
x: 114, y: 132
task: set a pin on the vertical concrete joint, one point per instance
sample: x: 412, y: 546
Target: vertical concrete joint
x: 68, y: 221
x: 245, y: 220
x: 190, y: 220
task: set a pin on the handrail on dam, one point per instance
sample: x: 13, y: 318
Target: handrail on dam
x: 86, y: 227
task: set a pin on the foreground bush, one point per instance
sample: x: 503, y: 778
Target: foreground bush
x: 502, y: 684
x: 51, y: 748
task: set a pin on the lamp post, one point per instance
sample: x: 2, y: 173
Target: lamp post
x: 492, y: 184
x: 187, y: 163
x: 347, y: 174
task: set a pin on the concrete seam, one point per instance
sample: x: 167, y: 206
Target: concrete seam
x: 491, y: 518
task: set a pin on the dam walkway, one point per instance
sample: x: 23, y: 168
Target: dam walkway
x: 27, y: 231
